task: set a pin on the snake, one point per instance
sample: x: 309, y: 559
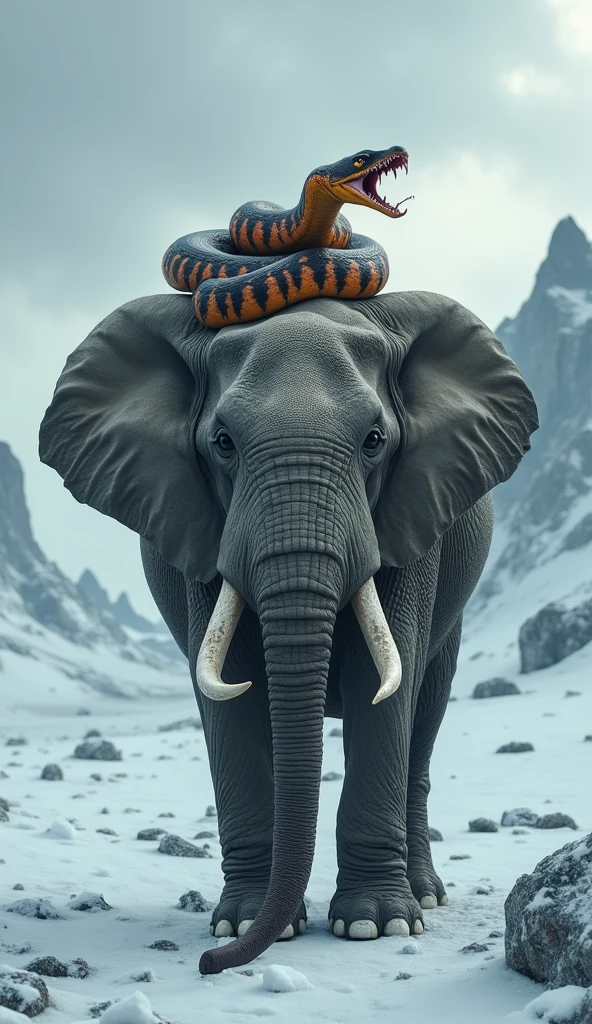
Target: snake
x: 272, y: 257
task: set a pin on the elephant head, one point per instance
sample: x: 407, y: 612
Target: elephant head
x: 293, y: 456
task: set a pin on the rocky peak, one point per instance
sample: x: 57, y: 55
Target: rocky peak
x: 17, y: 544
x: 569, y: 260
x: 91, y: 588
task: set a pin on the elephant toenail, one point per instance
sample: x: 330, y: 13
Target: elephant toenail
x: 244, y: 925
x: 444, y: 901
x: 339, y: 928
x: 363, y: 930
x: 224, y: 930
x: 288, y: 933
x: 397, y: 927
x: 418, y: 928
x: 302, y: 927
x: 428, y: 903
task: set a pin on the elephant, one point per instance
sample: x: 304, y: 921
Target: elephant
x: 312, y: 493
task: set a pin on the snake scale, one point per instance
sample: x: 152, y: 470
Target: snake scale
x: 272, y: 257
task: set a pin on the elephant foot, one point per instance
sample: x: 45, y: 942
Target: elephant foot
x: 237, y: 911
x: 377, y: 910
x: 426, y: 885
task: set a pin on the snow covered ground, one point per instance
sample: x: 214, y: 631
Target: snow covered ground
x: 424, y: 980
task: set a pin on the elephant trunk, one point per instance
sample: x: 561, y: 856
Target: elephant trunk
x: 297, y: 626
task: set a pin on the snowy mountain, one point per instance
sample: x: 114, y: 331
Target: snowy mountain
x: 542, y: 550
x: 78, y: 639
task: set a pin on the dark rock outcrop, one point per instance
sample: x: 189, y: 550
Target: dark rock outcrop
x: 496, y: 687
x: 23, y: 992
x: 552, y: 634
x: 548, y: 915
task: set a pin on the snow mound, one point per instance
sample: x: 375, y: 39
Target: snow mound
x: 277, y: 978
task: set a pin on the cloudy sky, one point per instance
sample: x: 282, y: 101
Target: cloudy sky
x: 126, y: 124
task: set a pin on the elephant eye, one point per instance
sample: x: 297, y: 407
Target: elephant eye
x: 374, y: 441
x: 224, y: 444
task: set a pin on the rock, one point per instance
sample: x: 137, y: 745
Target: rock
x: 547, y: 913
x: 4, y: 805
x: 97, y: 750
x: 411, y: 948
x: 496, y: 935
x: 79, y: 968
x: 588, y: 738
x: 435, y: 836
x: 331, y: 777
x: 150, y: 834
x: 166, y: 814
x: 554, y: 633
x: 403, y: 976
x: 165, y: 944
x: 83, y: 711
x: 573, y: 693
x: 3, y: 815
x: 520, y: 816
x: 515, y: 748
x: 52, y: 773
x: 496, y: 687
x: 482, y: 825
x: 23, y: 992
x: 205, y: 835
x: 16, y: 741
x: 475, y: 947
x: 39, y: 908
x: 14, y: 949
x: 569, y: 1004
x: 483, y: 889
x: 49, y: 966
x: 336, y: 733
x: 175, y: 846
x: 143, y: 974
x: 556, y: 820
x: 106, y: 831
x: 19, y: 887
x: 96, y: 776
x: 183, y: 723
x: 91, y: 902
x: 520, y: 832
x: 194, y: 902
x: 92, y: 734
x: 211, y: 812
x: 460, y: 856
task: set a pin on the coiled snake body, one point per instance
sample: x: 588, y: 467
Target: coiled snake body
x: 272, y: 257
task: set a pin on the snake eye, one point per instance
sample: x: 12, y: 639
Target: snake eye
x: 224, y: 444
x: 374, y: 441
x: 361, y: 160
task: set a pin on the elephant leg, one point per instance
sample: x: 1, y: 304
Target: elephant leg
x: 238, y: 738
x: 373, y: 895
x: 431, y: 705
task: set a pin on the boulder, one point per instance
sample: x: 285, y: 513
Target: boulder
x: 520, y: 816
x: 515, y: 748
x: 194, y: 902
x: 435, y: 835
x: 496, y: 687
x: 23, y: 992
x: 548, y: 915
x: 552, y: 634
x: 97, y: 750
x: 52, y: 773
x: 482, y: 825
x: 175, y: 846
x: 556, y: 820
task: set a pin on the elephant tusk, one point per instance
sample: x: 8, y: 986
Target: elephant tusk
x: 382, y: 647
x: 215, y: 645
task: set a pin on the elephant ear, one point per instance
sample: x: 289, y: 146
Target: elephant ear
x: 119, y: 430
x: 467, y: 417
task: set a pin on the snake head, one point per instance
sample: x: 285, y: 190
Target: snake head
x: 356, y: 178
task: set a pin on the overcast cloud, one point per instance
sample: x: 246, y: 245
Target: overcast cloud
x: 129, y: 122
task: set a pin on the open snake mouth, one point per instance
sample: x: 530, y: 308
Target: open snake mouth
x: 368, y: 183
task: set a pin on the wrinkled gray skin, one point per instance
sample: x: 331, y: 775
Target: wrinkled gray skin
x: 297, y: 518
